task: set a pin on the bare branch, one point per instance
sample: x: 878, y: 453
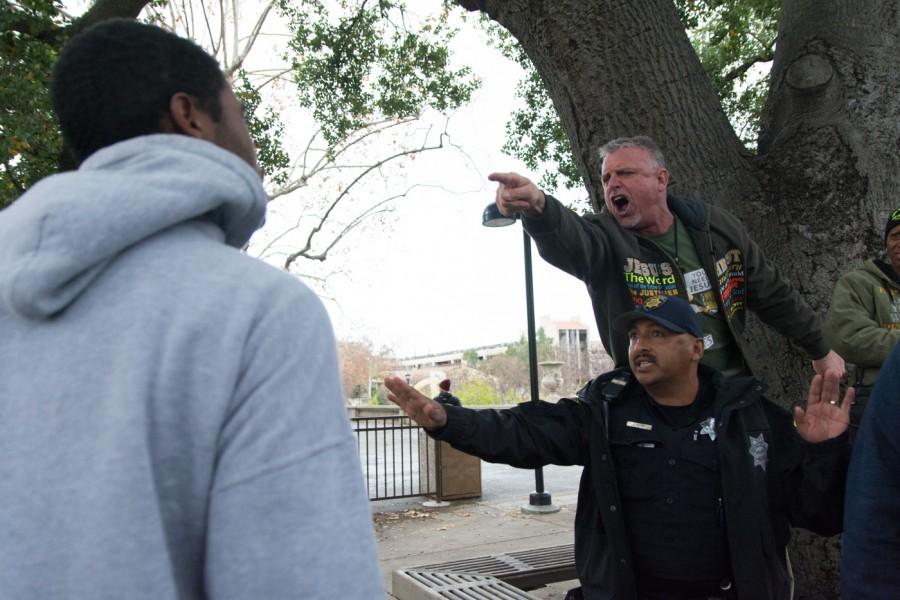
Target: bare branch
x: 222, y: 30
x: 239, y: 60
x: 344, y: 193
x: 328, y: 159
x: 234, y: 29
x: 171, y: 6
x: 338, y: 237
x: 296, y: 184
x: 214, y: 44
x: 277, y: 75
x: 375, y: 128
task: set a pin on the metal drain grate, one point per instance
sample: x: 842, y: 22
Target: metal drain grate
x: 409, y: 584
x: 525, y: 569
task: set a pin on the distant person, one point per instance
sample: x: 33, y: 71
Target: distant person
x: 445, y: 397
x: 691, y: 480
x: 647, y: 243
x: 863, y: 321
x: 870, y: 559
x: 171, y: 417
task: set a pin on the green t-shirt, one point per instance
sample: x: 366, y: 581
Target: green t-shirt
x: 721, y: 350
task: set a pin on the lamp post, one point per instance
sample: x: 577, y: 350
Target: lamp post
x: 539, y: 500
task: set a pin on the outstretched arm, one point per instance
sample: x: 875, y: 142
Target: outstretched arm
x: 824, y: 418
x: 529, y: 435
x: 426, y: 412
x: 518, y: 194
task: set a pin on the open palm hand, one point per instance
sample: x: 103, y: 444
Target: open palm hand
x: 418, y: 407
x: 824, y: 417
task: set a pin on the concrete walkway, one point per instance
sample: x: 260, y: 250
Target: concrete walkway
x: 410, y: 534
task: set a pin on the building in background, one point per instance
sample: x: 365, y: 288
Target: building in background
x: 583, y: 357
x: 571, y: 339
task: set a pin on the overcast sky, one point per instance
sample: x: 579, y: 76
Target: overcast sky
x: 436, y: 279
x: 431, y: 278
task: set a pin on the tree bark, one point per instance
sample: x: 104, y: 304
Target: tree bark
x: 828, y: 152
x: 625, y: 67
x: 826, y: 174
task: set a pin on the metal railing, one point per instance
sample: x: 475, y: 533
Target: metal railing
x: 397, y: 457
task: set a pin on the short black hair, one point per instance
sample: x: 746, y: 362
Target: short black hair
x: 114, y: 81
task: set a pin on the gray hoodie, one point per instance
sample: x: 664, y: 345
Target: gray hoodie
x: 171, y: 419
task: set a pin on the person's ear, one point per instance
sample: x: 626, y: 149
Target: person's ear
x: 188, y: 118
x: 698, y: 349
x: 662, y: 179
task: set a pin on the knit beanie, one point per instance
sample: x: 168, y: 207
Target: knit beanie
x: 445, y: 385
x: 892, y: 221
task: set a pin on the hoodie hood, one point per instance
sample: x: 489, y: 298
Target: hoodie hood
x: 63, y: 232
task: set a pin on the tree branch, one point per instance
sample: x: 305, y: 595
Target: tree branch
x: 239, y: 60
x: 278, y: 75
x: 738, y: 71
x: 222, y: 43
x: 234, y: 26
x: 102, y: 10
x: 329, y: 156
x: 344, y: 193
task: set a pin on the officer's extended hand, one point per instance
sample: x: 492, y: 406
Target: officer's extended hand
x: 418, y: 407
x: 517, y: 194
x: 824, y: 418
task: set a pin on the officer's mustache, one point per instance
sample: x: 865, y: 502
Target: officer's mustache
x: 644, y: 356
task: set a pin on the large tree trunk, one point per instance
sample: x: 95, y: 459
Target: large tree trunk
x: 829, y: 151
x: 625, y: 68
x: 815, y: 196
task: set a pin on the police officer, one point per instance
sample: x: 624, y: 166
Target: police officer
x: 691, y: 481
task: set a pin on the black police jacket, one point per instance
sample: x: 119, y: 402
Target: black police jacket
x: 766, y: 488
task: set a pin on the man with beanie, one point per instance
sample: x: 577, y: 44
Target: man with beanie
x: 691, y: 480
x: 863, y: 321
x: 445, y: 397
x: 172, y: 424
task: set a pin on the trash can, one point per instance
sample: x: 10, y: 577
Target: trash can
x: 459, y: 474
x: 447, y: 473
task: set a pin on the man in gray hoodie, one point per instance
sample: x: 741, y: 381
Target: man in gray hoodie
x: 171, y: 419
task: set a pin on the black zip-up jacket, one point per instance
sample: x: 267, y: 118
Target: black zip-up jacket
x: 801, y: 484
x: 618, y: 266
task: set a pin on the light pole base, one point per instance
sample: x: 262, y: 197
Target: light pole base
x: 540, y: 502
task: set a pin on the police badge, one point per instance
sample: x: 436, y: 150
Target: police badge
x: 759, y: 450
